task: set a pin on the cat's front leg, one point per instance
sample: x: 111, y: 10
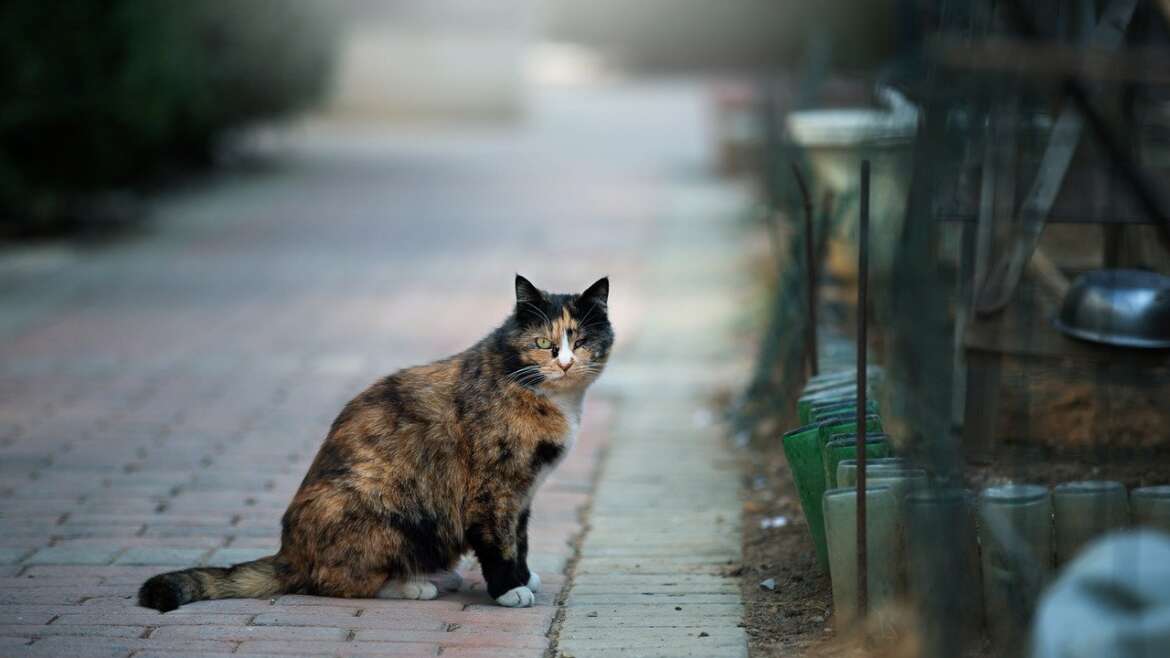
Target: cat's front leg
x: 522, y: 571
x: 498, y: 551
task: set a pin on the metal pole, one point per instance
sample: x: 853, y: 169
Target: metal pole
x: 862, y: 382
x: 810, y: 273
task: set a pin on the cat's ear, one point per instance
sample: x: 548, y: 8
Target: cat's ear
x: 598, y: 293
x: 527, y: 293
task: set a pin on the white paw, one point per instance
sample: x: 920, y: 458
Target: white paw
x: 418, y: 590
x: 447, y: 580
x: 517, y: 597
x: 533, y: 581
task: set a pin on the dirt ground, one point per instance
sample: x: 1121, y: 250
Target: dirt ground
x: 793, y: 617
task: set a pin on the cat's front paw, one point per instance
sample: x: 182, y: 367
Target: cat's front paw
x: 517, y: 597
x: 533, y: 581
x: 416, y: 590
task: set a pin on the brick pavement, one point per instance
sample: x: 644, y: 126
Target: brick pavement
x: 654, y: 574
x: 161, y: 396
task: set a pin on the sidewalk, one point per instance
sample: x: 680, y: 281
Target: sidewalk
x: 654, y: 577
x: 161, y: 398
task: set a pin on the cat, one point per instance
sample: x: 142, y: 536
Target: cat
x: 429, y: 462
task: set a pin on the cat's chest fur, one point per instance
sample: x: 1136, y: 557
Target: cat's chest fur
x: 569, y: 404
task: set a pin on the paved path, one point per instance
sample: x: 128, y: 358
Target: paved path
x: 161, y: 397
x: 653, y: 578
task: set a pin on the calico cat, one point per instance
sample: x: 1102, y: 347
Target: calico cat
x: 429, y: 462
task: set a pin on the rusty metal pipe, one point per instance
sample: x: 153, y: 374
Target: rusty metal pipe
x: 862, y: 386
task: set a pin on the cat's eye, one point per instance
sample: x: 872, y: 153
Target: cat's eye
x: 578, y: 343
x: 543, y: 343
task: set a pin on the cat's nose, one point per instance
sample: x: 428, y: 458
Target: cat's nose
x: 565, y: 366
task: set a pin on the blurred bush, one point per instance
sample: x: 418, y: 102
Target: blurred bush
x: 105, y: 94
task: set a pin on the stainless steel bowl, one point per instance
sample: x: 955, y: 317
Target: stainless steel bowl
x: 1127, y: 308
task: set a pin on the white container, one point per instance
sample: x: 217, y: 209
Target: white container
x: 1085, y: 510
x: 944, y: 576
x: 1015, y: 532
x: 840, y: 507
x: 1151, y: 507
x: 836, y: 141
x: 874, y: 467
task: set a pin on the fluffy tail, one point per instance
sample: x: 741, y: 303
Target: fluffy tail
x: 255, y: 579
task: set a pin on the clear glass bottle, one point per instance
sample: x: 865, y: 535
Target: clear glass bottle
x: 1085, y: 510
x: 881, y: 542
x: 1015, y: 533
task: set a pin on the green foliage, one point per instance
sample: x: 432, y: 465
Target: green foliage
x: 105, y: 93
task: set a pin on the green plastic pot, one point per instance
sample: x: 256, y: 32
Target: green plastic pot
x: 844, y: 446
x: 840, y: 389
x: 842, y: 393
x: 846, y: 423
x: 802, y: 448
x: 822, y: 410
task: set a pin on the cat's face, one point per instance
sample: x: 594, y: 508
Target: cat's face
x: 561, y: 341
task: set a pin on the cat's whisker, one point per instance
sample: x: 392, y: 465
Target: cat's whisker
x: 530, y: 381
x: 520, y: 371
x: 592, y: 308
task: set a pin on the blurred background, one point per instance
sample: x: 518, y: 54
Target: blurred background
x: 139, y: 93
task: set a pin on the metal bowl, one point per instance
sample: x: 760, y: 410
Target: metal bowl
x: 1127, y: 308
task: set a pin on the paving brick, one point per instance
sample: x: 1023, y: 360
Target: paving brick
x: 171, y: 653
x: 98, y: 630
x: 73, y: 555
x: 203, y: 542
x: 24, y: 615
x: 124, y: 598
x: 467, y: 637
x: 144, y: 617
x: 651, y: 598
x: 340, y: 649
x: 225, y: 606
x: 685, y: 649
x: 421, y: 621
x: 84, y: 647
x: 226, y: 557
x: 29, y: 582
x: 478, y: 652
x: 46, y: 595
x: 241, y: 633
x: 162, y: 556
x: 13, y: 646
x: 537, y: 622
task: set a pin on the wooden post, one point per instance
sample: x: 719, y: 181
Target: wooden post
x: 810, y: 274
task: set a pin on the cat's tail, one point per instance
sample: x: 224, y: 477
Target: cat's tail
x: 256, y: 579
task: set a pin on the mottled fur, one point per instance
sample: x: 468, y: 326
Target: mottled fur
x: 429, y: 462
